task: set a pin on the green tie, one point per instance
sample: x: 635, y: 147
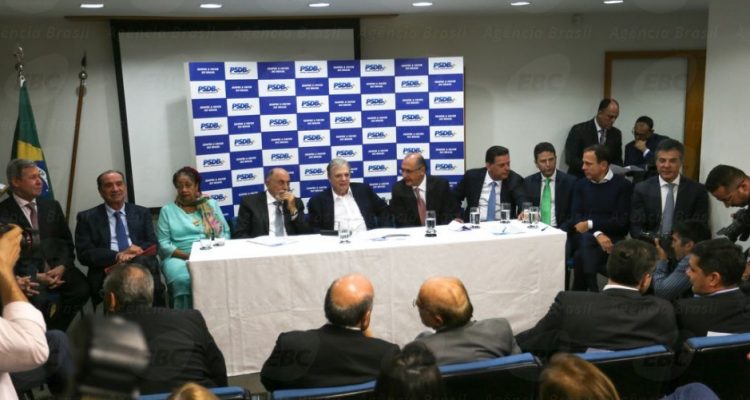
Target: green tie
x: 546, y: 204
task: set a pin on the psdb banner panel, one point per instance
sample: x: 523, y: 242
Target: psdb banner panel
x: 249, y: 117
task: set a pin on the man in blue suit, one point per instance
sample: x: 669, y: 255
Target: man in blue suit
x: 355, y: 203
x: 115, y: 232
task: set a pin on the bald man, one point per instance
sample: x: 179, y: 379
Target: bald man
x: 444, y: 306
x: 338, y: 353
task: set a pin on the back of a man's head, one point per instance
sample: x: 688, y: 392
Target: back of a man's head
x: 629, y: 261
x: 348, y: 301
x: 447, y: 298
x: 720, y: 256
x: 131, y: 284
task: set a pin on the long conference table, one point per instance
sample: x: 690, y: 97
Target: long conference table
x: 249, y: 293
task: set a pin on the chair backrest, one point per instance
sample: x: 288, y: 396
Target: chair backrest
x: 349, y: 392
x: 719, y: 362
x: 223, y: 393
x: 640, y: 373
x: 513, y: 377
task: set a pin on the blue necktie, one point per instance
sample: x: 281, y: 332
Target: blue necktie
x: 491, y: 203
x: 667, y: 216
x: 120, y: 232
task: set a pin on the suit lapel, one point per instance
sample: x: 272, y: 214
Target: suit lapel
x: 681, y: 194
x: 264, y: 211
x: 18, y: 217
x: 103, y: 224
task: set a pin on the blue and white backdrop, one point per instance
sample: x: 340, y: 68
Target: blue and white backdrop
x: 249, y: 117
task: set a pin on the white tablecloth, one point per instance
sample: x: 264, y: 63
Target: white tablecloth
x: 249, y: 293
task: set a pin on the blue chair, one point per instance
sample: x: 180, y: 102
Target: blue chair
x: 223, y: 393
x: 512, y: 377
x: 719, y: 362
x: 641, y: 373
x: 350, y: 392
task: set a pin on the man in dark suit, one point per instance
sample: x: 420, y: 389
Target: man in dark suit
x: 654, y: 209
x: 182, y: 349
x: 478, y: 185
x: 640, y: 152
x: 274, y: 212
x: 434, y: 194
x: 715, y: 271
x: 599, y: 130
x: 601, y: 204
x: 49, y: 271
x: 352, y: 202
x: 342, y: 352
x: 115, y: 232
x: 618, y: 318
x: 444, y: 306
x: 559, y: 183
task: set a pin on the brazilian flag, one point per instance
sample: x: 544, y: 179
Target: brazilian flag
x: 26, y: 141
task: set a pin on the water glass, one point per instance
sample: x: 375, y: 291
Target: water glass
x: 430, y: 223
x: 205, y: 244
x: 218, y: 241
x: 345, y: 231
x: 505, y: 213
x: 474, y: 217
x: 525, y: 206
x: 533, y: 216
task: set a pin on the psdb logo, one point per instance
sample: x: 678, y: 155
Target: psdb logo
x: 408, y: 150
x: 241, y: 106
x: 312, y: 138
x: 342, y: 85
x: 411, y: 84
x: 207, y: 89
x: 444, y: 99
x: 374, y: 67
x: 377, y: 135
x: 444, y: 167
x: 445, y: 133
x: 377, y: 168
x: 277, y: 87
x: 213, y: 162
x: 246, y: 177
x: 244, y: 142
x: 210, y: 126
x: 375, y: 102
x: 281, y: 157
x: 311, y: 104
x: 218, y: 197
x: 278, y: 122
x: 411, y: 117
x: 309, y: 69
x: 346, y: 153
x: 239, y: 70
x: 344, y: 120
x: 314, y: 171
x: 443, y: 65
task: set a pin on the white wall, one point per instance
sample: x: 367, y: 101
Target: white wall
x: 725, y: 128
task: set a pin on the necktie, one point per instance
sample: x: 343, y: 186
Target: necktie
x: 668, y: 213
x: 120, y: 232
x: 491, y: 202
x: 278, y: 225
x: 421, y: 206
x: 545, y: 207
x: 32, y: 215
x: 602, y: 136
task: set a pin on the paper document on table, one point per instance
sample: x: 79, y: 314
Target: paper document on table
x: 507, y: 229
x: 389, y: 237
x: 271, y: 241
x: 458, y: 226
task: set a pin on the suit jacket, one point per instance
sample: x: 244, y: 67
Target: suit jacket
x: 182, y: 349
x: 56, y: 246
x: 634, y: 156
x: 645, y: 215
x: 252, y: 220
x: 328, y: 356
x: 477, y: 340
x: 470, y: 188
x: 584, y: 135
x: 439, y: 198
x: 615, y: 319
x: 563, y: 194
x: 726, y: 312
x: 374, y: 210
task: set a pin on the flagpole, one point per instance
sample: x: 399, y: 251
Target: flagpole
x: 19, y: 64
x: 81, y: 92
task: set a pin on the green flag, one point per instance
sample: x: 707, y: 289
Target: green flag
x: 26, y: 141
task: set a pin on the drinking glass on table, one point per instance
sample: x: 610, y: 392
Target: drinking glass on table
x: 345, y: 231
x: 533, y: 217
x: 474, y: 217
x: 505, y: 213
x: 525, y: 206
x: 430, y: 223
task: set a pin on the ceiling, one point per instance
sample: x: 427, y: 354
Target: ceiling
x: 299, y: 8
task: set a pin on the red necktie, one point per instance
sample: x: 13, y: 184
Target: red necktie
x: 421, y: 206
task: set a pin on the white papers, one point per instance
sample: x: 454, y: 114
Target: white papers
x: 271, y: 241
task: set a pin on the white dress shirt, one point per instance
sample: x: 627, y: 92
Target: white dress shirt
x: 485, y: 196
x: 23, y: 346
x: 22, y: 203
x: 345, y: 208
x: 664, y: 190
x: 113, y: 227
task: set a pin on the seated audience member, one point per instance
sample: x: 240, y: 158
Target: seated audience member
x: 115, y: 232
x: 189, y: 218
x: 444, y: 306
x: 182, y: 349
x: 274, y: 212
x: 572, y: 378
x: 351, y: 202
x: 715, y: 271
x: 550, y: 189
x: 487, y: 187
x: 413, y: 375
x: 672, y: 283
x: 340, y: 352
x: 599, y: 130
x: 192, y: 391
x: 640, y: 151
x: 416, y: 193
x: 618, y: 318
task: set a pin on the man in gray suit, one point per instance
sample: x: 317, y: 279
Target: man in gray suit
x: 444, y: 306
